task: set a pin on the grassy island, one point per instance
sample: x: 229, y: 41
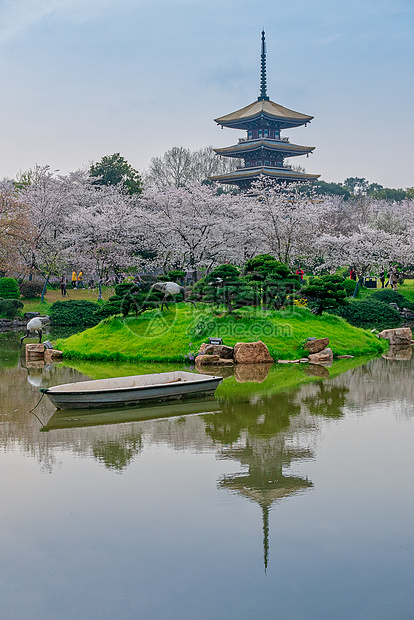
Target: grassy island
x: 175, y: 335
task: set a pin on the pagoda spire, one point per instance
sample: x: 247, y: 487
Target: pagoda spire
x: 263, y: 87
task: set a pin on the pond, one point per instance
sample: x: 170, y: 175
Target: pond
x: 287, y: 496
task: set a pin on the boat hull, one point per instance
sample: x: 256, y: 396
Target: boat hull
x: 88, y: 395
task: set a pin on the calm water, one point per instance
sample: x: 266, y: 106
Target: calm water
x: 266, y: 502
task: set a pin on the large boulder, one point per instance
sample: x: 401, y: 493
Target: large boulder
x: 252, y: 353
x: 401, y: 335
x: 324, y: 357
x: 221, y: 350
x: 314, y: 345
x: 35, y: 351
x: 51, y: 355
x: 212, y: 360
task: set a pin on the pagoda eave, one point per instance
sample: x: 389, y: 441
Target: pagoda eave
x: 257, y: 121
x: 251, y: 174
x: 264, y: 146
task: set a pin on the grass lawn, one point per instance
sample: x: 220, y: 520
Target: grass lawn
x: 174, y: 334
x: 52, y: 295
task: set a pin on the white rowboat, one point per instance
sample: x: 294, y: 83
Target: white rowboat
x: 135, y: 390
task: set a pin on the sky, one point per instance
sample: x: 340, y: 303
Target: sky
x: 81, y: 79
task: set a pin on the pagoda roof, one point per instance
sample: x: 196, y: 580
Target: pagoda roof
x: 279, y: 174
x: 249, y: 146
x: 267, y: 109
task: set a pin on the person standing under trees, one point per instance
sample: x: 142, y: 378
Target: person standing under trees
x: 63, y: 285
x: 74, y: 279
x: 382, y: 278
x: 301, y: 273
x: 394, y: 279
x: 80, y: 280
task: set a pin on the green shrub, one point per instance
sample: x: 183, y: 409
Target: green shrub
x: 9, y: 308
x: 370, y: 313
x: 9, y: 289
x: 31, y: 288
x: 74, y: 312
x: 325, y: 292
x: 130, y: 297
x: 265, y: 266
x: 388, y: 296
x: 349, y: 286
x: 175, y: 275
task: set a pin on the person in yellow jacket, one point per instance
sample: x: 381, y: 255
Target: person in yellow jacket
x: 80, y: 280
x: 74, y: 279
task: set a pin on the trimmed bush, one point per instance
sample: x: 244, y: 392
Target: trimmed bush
x: 349, y: 286
x: 370, y: 313
x: 9, y: 289
x: 388, y: 296
x: 9, y: 308
x: 130, y: 297
x: 74, y: 312
x: 31, y: 288
x: 325, y: 292
x: 265, y: 266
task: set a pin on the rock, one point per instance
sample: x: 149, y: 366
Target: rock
x: 31, y: 315
x: 322, y: 357
x: 51, y: 355
x: 304, y: 360
x: 252, y: 353
x: 399, y: 354
x: 35, y: 351
x: 314, y: 345
x: 401, y: 335
x: 253, y: 373
x: 289, y: 361
x: 212, y: 360
x: 216, y: 349
x: 206, y: 359
x: 345, y: 357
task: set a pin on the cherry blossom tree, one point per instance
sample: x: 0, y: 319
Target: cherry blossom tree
x: 15, y: 226
x: 180, y: 167
x: 192, y: 227
x: 283, y: 219
x: 107, y: 236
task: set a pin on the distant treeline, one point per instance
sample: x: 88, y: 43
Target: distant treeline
x: 355, y: 186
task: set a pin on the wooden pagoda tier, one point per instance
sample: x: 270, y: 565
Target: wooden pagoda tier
x: 263, y: 150
x: 244, y: 176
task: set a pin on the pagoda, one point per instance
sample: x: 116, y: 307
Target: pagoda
x: 263, y: 150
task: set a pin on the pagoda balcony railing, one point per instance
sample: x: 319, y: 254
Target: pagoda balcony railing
x: 241, y: 140
x: 243, y: 167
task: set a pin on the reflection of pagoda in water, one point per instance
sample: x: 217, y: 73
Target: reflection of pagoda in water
x: 265, y: 483
x: 263, y: 150
x: 257, y: 434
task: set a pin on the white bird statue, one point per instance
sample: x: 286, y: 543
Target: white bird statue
x: 170, y: 289
x: 35, y: 325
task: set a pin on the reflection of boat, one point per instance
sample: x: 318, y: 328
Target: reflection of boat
x: 139, y: 389
x: 97, y: 417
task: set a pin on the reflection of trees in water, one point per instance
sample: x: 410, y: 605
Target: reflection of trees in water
x: 327, y: 400
x: 380, y: 381
x: 117, y: 454
x: 262, y: 417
